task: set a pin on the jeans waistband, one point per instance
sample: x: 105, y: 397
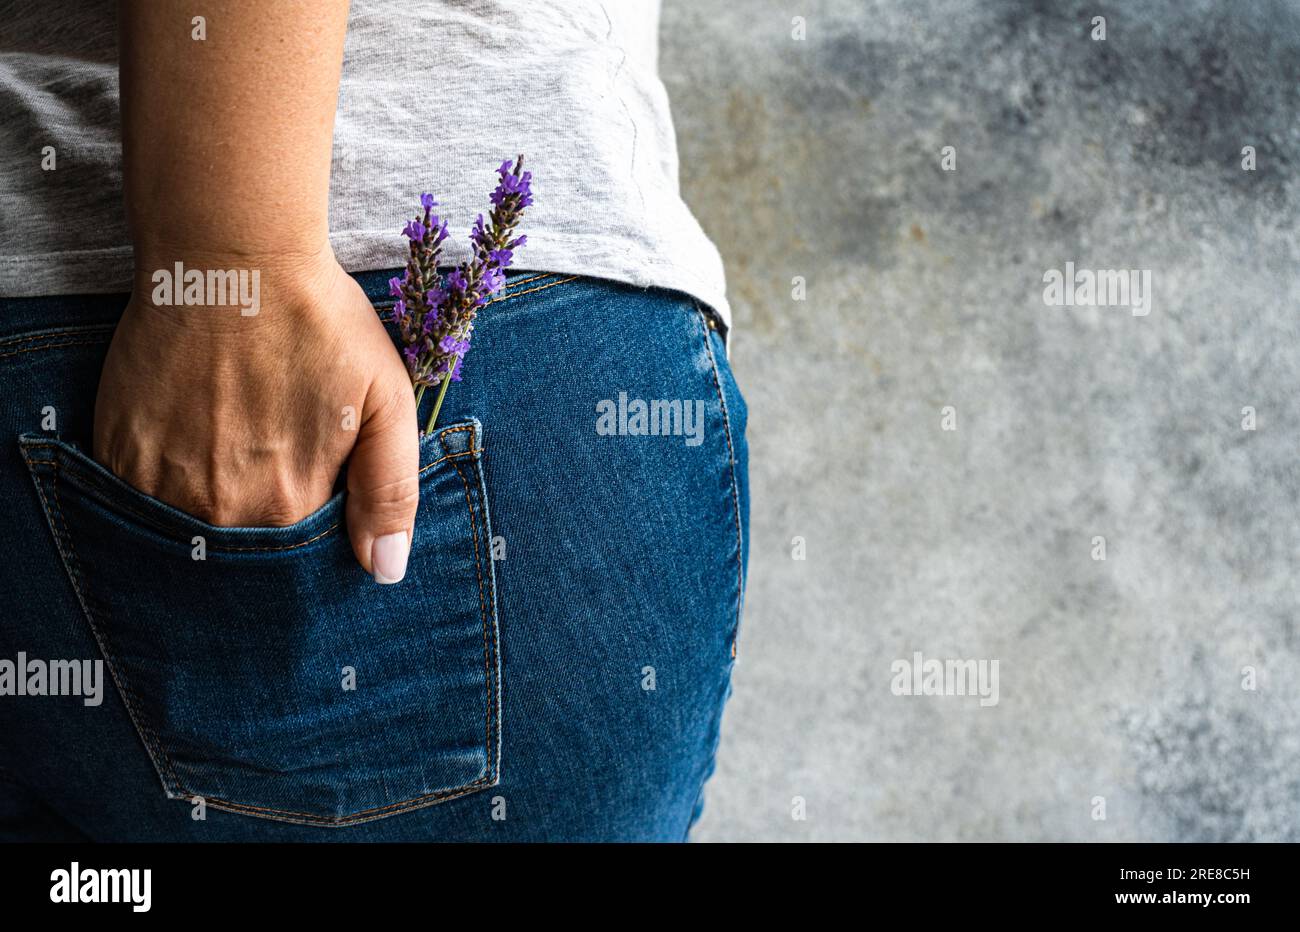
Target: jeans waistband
x: 24, y: 315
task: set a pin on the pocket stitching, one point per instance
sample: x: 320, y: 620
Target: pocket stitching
x: 60, y: 333
x: 735, y: 493
x: 520, y: 294
x: 154, y: 746
x: 68, y: 554
x: 105, y: 490
x: 33, y: 349
x: 487, y: 653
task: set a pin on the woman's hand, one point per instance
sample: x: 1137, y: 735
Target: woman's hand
x: 247, y: 420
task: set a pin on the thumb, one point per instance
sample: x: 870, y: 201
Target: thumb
x: 384, y: 481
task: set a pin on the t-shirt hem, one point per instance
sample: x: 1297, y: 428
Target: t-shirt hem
x: 106, y: 271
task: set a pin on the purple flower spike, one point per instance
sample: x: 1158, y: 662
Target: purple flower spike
x: 395, y: 286
x: 435, y: 311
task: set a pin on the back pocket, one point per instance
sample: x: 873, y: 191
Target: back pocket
x: 264, y: 670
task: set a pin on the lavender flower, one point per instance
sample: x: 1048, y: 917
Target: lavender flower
x: 434, y: 316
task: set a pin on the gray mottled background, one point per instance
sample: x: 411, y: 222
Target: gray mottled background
x: 1120, y: 679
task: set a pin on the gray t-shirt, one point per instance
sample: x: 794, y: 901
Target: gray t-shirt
x: 572, y: 84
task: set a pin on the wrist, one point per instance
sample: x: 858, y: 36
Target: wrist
x: 203, y: 285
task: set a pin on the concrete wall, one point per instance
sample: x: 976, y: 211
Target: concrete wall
x: 1119, y: 678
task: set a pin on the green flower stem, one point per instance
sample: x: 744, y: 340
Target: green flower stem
x: 437, y: 405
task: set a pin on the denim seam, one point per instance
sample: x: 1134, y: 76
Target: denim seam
x: 487, y: 652
x: 356, y: 818
x: 33, y: 349
x: 388, y: 305
x: 87, y: 330
x: 154, y: 745
x: 385, y: 302
x: 716, y: 723
x: 525, y: 281
x: 58, y: 334
x: 735, y: 492
x: 520, y: 294
x: 139, y: 515
x: 68, y: 555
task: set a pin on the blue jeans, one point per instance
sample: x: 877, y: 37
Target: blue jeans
x: 553, y: 667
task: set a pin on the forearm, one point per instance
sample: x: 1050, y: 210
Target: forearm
x: 226, y: 140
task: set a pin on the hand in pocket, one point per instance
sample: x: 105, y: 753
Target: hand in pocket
x: 242, y: 412
x: 259, y: 673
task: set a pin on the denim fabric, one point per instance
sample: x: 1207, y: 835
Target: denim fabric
x: 553, y: 666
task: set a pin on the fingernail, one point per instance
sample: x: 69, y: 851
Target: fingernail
x: 388, y: 557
